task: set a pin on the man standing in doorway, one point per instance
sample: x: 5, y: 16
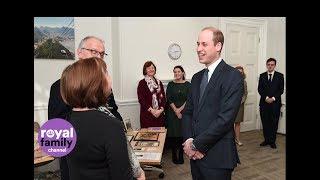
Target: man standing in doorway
x: 270, y: 88
x: 90, y: 46
x: 210, y: 112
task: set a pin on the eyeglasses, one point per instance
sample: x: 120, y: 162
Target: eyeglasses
x: 95, y: 53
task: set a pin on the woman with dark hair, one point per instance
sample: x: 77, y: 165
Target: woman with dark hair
x: 101, y: 150
x: 240, y: 114
x: 151, y: 97
x: 177, y: 93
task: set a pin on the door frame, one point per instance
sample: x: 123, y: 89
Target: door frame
x: 261, y: 24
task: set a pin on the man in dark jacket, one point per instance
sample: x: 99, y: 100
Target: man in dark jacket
x: 210, y: 112
x: 270, y: 88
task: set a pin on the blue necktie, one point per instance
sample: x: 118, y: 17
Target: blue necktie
x: 204, y: 82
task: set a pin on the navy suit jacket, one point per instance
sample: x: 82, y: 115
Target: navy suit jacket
x: 210, y: 121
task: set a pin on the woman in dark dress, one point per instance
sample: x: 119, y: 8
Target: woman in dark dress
x: 177, y: 93
x: 151, y: 97
x: 101, y: 151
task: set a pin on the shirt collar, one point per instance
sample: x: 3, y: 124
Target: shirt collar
x: 271, y: 73
x: 213, y: 66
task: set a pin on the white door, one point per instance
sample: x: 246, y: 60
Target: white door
x: 241, y: 48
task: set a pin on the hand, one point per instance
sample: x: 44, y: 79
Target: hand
x: 158, y: 112
x: 269, y: 100
x: 152, y: 111
x: 179, y: 115
x: 142, y: 176
x: 187, y: 148
x: 179, y: 109
x: 197, y: 155
x: 155, y: 113
x: 176, y: 110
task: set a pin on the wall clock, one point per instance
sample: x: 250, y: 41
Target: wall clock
x: 174, y: 51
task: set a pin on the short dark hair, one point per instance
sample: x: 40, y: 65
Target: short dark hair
x: 217, y: 35
x: 182, y: 70
x: 148, y: 64
x: 272, y: 59
x: 84, y: 83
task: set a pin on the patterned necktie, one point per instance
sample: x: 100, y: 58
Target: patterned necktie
x: 204, y: 82
x: 270, y: 75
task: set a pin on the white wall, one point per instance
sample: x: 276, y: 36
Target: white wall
x: 142, y: 39
x: 276, y: 48
x: 130, y: 41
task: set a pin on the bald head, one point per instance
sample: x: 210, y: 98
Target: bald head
x: 91, y: 46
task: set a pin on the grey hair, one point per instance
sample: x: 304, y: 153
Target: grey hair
x: 82, y: 42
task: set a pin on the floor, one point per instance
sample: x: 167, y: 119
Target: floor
x: 257, y: 163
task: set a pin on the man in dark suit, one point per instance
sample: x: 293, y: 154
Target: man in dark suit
x: 270, y: 88
x: 210, y: 112
x: 90, y: 46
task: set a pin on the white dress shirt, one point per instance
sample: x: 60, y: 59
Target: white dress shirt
x: 271, y: 80
x: 212, y: 67
x: 271, y: 75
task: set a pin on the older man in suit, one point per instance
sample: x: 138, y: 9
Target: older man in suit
x: 270, y: 88
x: 210, y: 112
x: 90, y: 46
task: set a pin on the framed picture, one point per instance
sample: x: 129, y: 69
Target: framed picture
x: 54, y: 38
x: 147, y: 136
x: 147, y: 143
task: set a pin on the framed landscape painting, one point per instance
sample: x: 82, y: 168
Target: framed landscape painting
x: 54, y: 38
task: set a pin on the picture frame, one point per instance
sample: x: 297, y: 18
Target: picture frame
x: 54, y: 38
x: 147, y: 143
x: 147, y: 136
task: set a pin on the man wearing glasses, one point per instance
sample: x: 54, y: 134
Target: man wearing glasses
x: 270, y: 88
x: 90, y: 46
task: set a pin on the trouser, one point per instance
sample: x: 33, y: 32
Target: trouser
x: 64, y: 168
x: 177, y: 149
x: 270, y: 119
x: 203, y: 173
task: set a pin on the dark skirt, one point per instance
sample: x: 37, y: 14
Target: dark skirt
x: 240, y: 114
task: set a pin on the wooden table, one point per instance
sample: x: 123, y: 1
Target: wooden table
x: 40, y: 161
x: 149, y: 156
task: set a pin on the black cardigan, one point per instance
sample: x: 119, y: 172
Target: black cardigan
x: 101, y: 150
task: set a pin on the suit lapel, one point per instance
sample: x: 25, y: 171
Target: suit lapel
x: 275, y: 77
x: 213, y: 80
x: 197, y: 89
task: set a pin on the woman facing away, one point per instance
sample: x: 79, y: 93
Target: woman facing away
x: 101, y: 151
